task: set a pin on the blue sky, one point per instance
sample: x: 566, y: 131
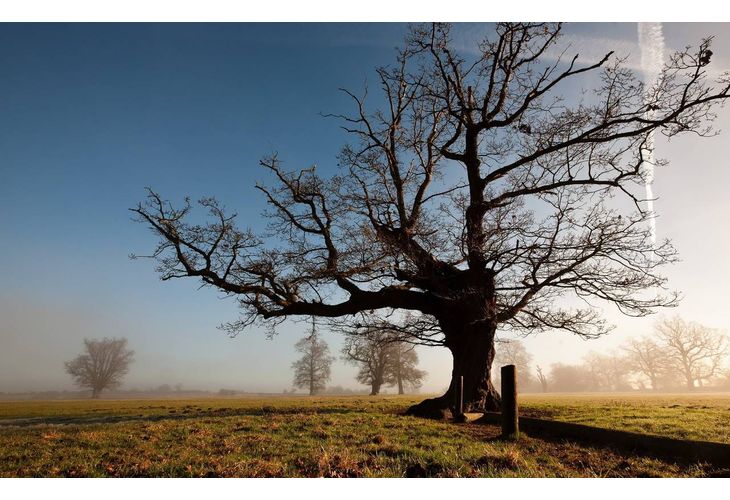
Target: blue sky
x: 90, y: 114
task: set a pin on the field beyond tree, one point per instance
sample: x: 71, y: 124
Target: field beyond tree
x: 352, y: 436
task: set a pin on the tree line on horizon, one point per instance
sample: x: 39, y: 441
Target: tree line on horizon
x: 382, y: 360
x: 678, y: 355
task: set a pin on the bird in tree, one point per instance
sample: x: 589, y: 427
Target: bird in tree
x: 103, y: 365
x: 447, y: 208
x: 312, y: 370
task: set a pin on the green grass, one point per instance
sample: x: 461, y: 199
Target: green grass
x: 286, y: 437
x: 704, y: 417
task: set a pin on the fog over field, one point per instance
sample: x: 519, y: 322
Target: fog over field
x: 91, y: 114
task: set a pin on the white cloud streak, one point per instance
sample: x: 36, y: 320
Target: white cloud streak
x: 651, y: 42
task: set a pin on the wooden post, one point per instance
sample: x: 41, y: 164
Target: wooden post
x: 458, y: 404
x: 510, y: 417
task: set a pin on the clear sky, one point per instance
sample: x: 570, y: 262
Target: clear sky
x: 90, y: 114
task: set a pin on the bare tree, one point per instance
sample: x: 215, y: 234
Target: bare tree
x: 608, y: 372
x: 102, y: 366
x: 383, y: 358
x: 372, y: 351
x: 542, y: 378
x: 513, y: 352
x: 694, y: 350
x: 569, y: 378
x: 312, y: 370
x: 402, y: 370
x: 647, y: 358
x: 477, y: 197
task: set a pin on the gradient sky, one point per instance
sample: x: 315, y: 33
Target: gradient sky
x: 90, y: 114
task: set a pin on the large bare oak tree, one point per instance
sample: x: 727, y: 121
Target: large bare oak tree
x: 476, y: 198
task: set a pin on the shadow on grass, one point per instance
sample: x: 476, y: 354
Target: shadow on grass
x: 661, y: 447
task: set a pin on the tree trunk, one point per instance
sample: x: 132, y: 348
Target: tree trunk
x: 95, y: 393
x: 472, y: 347
x: 375, y: 388
x: 400, y: 384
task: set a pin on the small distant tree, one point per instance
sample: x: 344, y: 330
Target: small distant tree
x: 569, y: 378
x: 383, y: 359
x: 607, y: 372
x: 692, y: 349
x: 102, y: 366
x: 312, y: 370
x: 513, y: 352
x: 542, y: 379
x: 403, y: 371
x: 372, y: 352
x: 645, y: 357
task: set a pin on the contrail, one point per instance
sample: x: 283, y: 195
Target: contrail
x: 651, y: 41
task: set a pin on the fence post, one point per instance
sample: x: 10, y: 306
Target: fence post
x: 510, y: 417
x: 459, y: 399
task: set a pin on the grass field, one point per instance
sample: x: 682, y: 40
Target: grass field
x: 333, y: 437
x: 704, y: 417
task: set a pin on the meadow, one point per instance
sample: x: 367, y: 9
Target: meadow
x: 701, y: 416
x: 352, y: 436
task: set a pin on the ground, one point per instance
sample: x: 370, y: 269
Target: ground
x: 335, y: 437
x: 702, y: 416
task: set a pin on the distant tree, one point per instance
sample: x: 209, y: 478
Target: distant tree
x: 312, y: 370
x: 513, y: 352
x: 607, y: 372
x: 402, y: 369
x: 569, y: 378
x: 383, y: 359
x: 645, y: 357
x: 724, y: 381
x: 373, y: 352
x: 102, y: 366
x: 542, y: 379
x: 691, y: 349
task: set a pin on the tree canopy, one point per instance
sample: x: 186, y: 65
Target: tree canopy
x: 478, y: 197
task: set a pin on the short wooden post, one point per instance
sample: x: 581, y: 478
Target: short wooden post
x: 510, y: 417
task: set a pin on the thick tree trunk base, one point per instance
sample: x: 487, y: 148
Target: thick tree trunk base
x: 442, y: 407
x: 434, y: 408
x: 472, y: 347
